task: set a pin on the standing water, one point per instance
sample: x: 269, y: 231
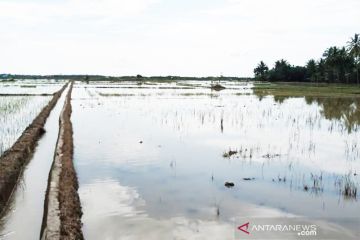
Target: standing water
x: 152, y: 159
x: 23, y: 218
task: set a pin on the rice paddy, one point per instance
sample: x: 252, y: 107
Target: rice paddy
x: 16, y: 113
x: 191, y: 156
x: 178, y: 159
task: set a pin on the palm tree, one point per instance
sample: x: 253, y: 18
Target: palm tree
x: 321, y: 70
x: 354, y: 50
x: 330, y: 56
x: 282, y: 69
x: 261, y: 71
x: 311, y: 69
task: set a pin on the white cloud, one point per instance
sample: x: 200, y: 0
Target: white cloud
x: 168, y: 36
x: 80, y: 8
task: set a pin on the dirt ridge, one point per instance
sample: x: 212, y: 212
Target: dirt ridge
x: 62, y: 214
x: 13, y: 160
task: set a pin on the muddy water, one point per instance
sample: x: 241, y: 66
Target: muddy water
x: 150, y: 158
x: 24, y: 217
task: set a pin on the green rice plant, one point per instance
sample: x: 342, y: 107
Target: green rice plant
x: 16, y: 113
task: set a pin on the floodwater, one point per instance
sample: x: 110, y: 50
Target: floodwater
x: 23, y: 219
x: 31, y: 86
x: 17, y: 111
x: 152, y: 158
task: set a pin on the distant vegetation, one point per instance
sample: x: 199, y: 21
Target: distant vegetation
x: 337, y: 65
x: 86, y: 78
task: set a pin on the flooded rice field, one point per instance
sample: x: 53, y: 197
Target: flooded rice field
x: 177, y: 160
x: 16, y: 113
x: 30, y: 87
x: 20, y: 102
x: 23, y: 218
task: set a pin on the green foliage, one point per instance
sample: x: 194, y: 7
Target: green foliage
x: 337, y: 65
x: 354, y: 47
x: 311, y: 70
x: 283, y: 71
x: 261, y: 71
x: 86, y: 78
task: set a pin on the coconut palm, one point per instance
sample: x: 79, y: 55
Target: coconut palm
x: 330, y: 56
x: 354, y: 51
x: 261, y: 71
x: 311, y: 69
x: 339, y: 62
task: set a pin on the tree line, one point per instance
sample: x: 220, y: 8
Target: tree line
x: 337, y: 65
x: 12, y: 77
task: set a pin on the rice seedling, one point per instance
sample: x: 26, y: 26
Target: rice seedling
x: 316, y: 185
x: 16, y: 113
x: 347, y: 186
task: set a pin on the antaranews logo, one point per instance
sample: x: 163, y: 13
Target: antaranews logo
x: 296, y: 228
x: 244, y: 228
x: 301, y: 230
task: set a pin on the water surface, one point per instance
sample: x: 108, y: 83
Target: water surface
x: 23, y: 217
x: 151, y: 165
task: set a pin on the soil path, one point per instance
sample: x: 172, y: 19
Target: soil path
x: 62, y: 213
x: 22, y: 218
x: 13, y: 161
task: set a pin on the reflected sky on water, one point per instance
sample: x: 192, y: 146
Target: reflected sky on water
x: 150, y: 158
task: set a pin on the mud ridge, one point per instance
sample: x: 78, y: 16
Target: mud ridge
x: 62, y: 214
x: 13, y: 160
x: 26, y: 94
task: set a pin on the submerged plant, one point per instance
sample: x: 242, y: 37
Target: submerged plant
x: 229, y: 153
x: 347, y: 187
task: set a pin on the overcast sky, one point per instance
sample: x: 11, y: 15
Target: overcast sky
x: 168, y: 37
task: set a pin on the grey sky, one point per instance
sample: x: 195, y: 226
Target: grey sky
x: 163, y: 37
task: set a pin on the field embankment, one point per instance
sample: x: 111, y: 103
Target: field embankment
x: 15, y: 158
x: 286, y: 89
x: 62, y: 214
x: 24, y: 94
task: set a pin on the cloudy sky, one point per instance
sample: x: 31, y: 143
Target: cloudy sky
x: 168, y: 37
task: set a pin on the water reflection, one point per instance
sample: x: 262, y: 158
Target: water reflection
x: 121, y: 215
x: 155, y: 156
x: 345, y: 110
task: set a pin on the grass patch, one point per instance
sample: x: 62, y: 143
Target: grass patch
x: 116, y: 94
x: 305, y: 89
